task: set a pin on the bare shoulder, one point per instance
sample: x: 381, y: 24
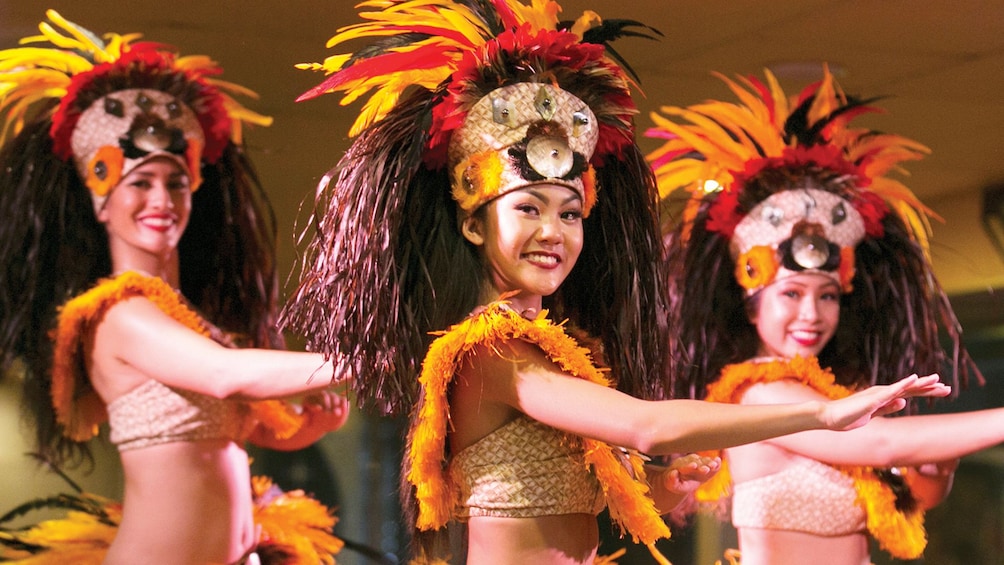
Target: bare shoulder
x: 132, y: 305
x: 122, y: 328
x: 481, y: 392
x: 782, y: 391
x: 136, y: 316
x: 489, y: 366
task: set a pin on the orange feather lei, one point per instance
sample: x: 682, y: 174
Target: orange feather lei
x: 437, y: 495
x: 79, y: 409
x: 901, y: 534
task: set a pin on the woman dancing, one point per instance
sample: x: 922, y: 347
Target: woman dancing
x: 137, y: 259
x: 801, y: 275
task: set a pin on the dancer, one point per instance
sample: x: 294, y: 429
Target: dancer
x: 504, y: 200
x: 137, y: 236
x: 804, y: 275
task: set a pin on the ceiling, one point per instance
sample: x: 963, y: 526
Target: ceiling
x: 940, y: 62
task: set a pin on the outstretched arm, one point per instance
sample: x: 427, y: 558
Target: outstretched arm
x: 522, y: 377
x: 137, y: 337
x: 904, y: 441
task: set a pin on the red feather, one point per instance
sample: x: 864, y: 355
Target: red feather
x: 426, y: 57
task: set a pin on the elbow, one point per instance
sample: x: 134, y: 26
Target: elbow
x: 655, y: 439
x: 886, y: 451
x: 646, y: 441
x: 220, y: 384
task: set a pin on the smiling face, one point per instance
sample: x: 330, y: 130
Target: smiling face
x: 797, y: 315
x: 529, y: 239
x: 146, y: 214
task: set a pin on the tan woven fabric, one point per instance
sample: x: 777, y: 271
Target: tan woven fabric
x: 808, y: 496
x: 153, y: 414
x: 525, y: 469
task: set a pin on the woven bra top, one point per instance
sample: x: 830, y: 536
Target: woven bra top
x: 154, y: 414
x: 525, y: 469
x: 808, y: 496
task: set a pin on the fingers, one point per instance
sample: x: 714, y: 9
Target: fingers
x: 327, y: 409
x: 891, y: 407
x: 695, y: 467
x: 326, y: 400
x: 938, y: 469
x: 914, y: 385
x: 929, y: 386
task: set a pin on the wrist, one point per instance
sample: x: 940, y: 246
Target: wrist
x: 822, y: 415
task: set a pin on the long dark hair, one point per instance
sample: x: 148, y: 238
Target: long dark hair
x: 52, y: 248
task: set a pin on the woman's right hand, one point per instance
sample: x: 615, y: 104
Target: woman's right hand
x: 326, y: 409
x: 856, y: 410
x: 687, y: 473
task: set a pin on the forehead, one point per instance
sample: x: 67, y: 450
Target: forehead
x: 159, y: 165
x: 807, y: 281
x: 548, y: 191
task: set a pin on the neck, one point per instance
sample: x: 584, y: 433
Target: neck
x: 163, y: 268
x: 521, y: 301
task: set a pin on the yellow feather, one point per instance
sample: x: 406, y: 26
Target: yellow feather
x: 587, y: 21
x: 719, y: 147
x: 42, y: 58
x: 780, y: 100
x: 84, y: 40
x: 828, y: 98
x: 751, y: 101
x: 689, y: 174
x: 751, y: 129
x: 116, y: 43
x: 541, y: 14
x: 52, y: 36
x: 465, y: 22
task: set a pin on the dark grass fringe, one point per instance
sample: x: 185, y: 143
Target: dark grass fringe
x: 368, y: 239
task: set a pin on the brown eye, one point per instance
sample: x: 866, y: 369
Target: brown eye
x: 838, y: 214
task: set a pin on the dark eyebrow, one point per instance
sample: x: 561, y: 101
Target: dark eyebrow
x: 541, y: 196
x: 148, y: 174
x: 802, y: 285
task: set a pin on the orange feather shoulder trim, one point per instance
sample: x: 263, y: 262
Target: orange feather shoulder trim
x: 79, y: 409
x: 627, y: 495
x: 902, y: 534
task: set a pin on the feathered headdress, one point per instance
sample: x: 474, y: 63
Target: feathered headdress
x: 727, y: 146
x: 520, y: 97
x: 120, y: 102
x: 480, y: 97
x: 780, y: 186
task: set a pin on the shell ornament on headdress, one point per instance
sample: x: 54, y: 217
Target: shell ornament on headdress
x: 464, y: 101
x: 120, y: 102
x: 794, y: 227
